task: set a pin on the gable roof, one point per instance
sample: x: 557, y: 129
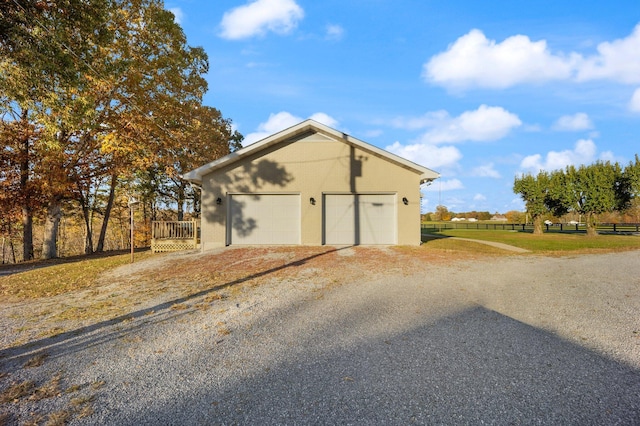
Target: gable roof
x: 299, y: 130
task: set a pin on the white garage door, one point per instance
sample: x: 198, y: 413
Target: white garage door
x: 264, y: 219
x: 359, y: 219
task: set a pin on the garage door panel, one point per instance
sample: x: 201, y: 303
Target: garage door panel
x: 264, y: 219
x: 360, y: 219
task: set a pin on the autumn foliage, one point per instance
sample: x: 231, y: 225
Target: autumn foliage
x: 99, y: 100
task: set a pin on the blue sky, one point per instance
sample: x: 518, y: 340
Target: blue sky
x: 477, y: 91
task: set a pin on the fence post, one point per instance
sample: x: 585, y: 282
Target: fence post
x: 194, y: 224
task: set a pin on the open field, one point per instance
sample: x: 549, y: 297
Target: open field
x: 450, y: 332
x: 549, y: 243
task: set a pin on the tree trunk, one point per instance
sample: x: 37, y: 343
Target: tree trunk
x: 590, y: 222
x: 537, y: 225
x: 196, y: 202
x: 13, y: 252
x: 86, y: 215
x: 52, y: 222
x: 88, y: 240
x: 27, y: 213
x: 27, y: 233
x: 181, y: 201
x: 107, y: 213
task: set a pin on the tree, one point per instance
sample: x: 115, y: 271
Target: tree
x: 442, y: 213
x: 592, y: 190
x: 206, y: 137
x: 631, y: 175
x: 20, y: 193
x: 534, y: 191
x: 114, y: 90
x: 35, y: 61
x: 514, y: 216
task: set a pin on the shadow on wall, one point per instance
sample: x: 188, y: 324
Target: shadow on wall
x: 249, y: 178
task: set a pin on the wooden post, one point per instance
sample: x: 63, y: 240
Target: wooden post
x: 195, y: 233
x: 132, y: 203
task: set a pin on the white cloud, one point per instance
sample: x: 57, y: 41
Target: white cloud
x: 325, y: 119
x: 275, y: 123
x: 634, y: 104
x: 443, y: 185
x: 584, y: 152
x: 484, y: 124
x: 571, y: 123
x: 259, y: 17
x: 334, y: 32
x: 474, y: 60
x: 283, y: 120
x: 479, y: 197
x: 618, y: 60
x: 486, y: 171
x: 178, y: 14
x: 427, y: 155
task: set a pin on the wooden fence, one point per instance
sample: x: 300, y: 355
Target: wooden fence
x: 175, y: 235
x: 559, y: 227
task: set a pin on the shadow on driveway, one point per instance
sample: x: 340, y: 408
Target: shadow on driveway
x: 474, y: 367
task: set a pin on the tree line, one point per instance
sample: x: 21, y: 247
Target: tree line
x: 586, y: 190
x: 99, y: 100
x: 443, y: 213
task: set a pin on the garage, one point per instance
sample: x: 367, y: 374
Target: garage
x: 264, y: 219
x: 310, y: 185
x: 352, y: 219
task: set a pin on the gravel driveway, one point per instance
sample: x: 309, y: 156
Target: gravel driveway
x: 513, y: 340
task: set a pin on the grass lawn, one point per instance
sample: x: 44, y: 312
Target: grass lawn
x: 57, y: 276
x: 550, y: 242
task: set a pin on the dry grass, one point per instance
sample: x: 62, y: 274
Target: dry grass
x: 27, y: 389
x: 27, y: 392
x: 97, y: 385
x: 179, y: 307
x: 48, y: 390
x: 37, y: 360
x: 58, y: 418
x: 49, y: 278
x: 81, y: 400
x: 17, y: 391
x: 4, y: 418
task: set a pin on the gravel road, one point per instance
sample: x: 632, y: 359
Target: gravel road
x: 512, y: 340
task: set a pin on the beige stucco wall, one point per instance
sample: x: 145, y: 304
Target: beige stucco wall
x: 311, y: 166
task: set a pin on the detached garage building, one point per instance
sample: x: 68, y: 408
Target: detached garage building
x: 311, y: 185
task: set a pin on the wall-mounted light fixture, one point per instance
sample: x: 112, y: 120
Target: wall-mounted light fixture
x: 312, y: 201
x: 405, y: 201
x: 218, y: 201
